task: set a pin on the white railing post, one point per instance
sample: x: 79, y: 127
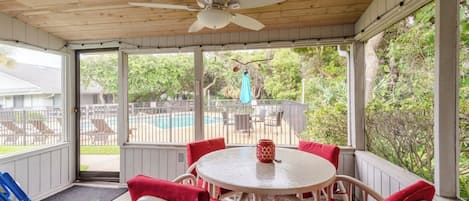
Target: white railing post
x: 446, y: 99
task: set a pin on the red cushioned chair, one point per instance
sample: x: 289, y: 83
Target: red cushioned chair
x: 328, y: 152
x: 418, y: 191
x: 143, y: 188
x: 198, y: 149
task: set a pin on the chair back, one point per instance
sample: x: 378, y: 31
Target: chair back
x: 41, y: 126
x: 243, y: 122
x: 101, y: 126
x: 11, y: 188
x: 141, y: 186
x: 418, y: 191
x: 195, y: 150
x: 224, y: 114
x: 10, y: 125
x: 278, y: 118
x: 328, y: 152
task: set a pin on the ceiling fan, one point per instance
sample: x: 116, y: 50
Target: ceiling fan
x: 215, y: 14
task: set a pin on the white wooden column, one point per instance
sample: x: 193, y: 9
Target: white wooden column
x: 122, y: 123
x: 199, y: 96
x: 446, y: 99
x: 356, y: 96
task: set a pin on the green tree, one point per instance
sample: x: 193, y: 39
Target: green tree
x: 159, y: 77
x: 100, y: 70
x: 284, y: 80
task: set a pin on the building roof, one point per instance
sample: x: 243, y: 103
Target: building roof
x: 23, y: 79
x: 29, y: 79
x: 10, y: 86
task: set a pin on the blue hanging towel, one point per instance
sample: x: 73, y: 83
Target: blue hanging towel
x: 245, y: 95
x: 9, y: 186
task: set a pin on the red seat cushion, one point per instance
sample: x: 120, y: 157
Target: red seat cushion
x: 142, y: 185
x: 198, y: 149
x: 420, y: 190
x: 328, y: 152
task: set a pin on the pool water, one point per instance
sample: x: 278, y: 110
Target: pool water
x: 166, y: 121
x: 175, y: 121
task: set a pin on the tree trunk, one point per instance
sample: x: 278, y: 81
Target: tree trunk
x: 209, y: 85
x: 372, y: 65
x: 101, y: 98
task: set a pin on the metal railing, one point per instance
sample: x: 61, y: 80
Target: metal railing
x: 30, y: 127
x: 161, y: 123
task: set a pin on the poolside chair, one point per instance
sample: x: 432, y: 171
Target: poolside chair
x: 226, y: 120
x: 103, y: 131
x: 44, y: 130
x: 143, y: 188
x: 14, y: 132
x: 243, y: 122
x: 274, y: 122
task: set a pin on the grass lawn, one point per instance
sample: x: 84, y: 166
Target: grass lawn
x: 83, y: 167
x: 100, y: 150
x: 14, y: 149
x: 96, y: 150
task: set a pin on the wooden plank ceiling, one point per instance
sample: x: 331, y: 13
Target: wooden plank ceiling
x: 112, y: 19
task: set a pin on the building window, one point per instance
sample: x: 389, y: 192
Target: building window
x: 18, y: 101
x: 30, y: 117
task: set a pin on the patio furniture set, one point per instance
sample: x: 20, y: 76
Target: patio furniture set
x: 243, y: 122
x: 306, y: 173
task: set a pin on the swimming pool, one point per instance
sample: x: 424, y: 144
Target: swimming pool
x: 162, y: 121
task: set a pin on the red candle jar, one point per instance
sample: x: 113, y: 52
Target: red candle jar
x: 265, y: 151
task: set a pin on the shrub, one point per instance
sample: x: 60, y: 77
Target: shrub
x: 327, y: 125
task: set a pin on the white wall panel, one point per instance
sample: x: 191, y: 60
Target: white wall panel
x: 35, y: 176
x: 14, y: 29
x: 383, y: 176
x: 40, y: 172
x: 56, y: 172
x: 170, y: 162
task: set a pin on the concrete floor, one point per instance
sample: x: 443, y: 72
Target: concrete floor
x: 106, y: 163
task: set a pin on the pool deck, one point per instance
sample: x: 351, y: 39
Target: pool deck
x: 145, y: 129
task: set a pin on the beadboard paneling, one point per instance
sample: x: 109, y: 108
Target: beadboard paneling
x: 168, y: 162
x: 13, y: 29
x: 380, y: 174
x: 154, y: 161
x: 40, y: 172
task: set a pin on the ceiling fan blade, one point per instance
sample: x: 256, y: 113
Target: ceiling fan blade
x: 162, y: 5
x: 247, y: 22
x: 244, y: 4
x: 196, y: 26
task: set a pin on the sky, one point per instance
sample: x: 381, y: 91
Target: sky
x: 23, y: 55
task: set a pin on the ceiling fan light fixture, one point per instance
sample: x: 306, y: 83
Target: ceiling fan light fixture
x: 214, y: 18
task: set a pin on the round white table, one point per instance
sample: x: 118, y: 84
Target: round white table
x: 239, y: 170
